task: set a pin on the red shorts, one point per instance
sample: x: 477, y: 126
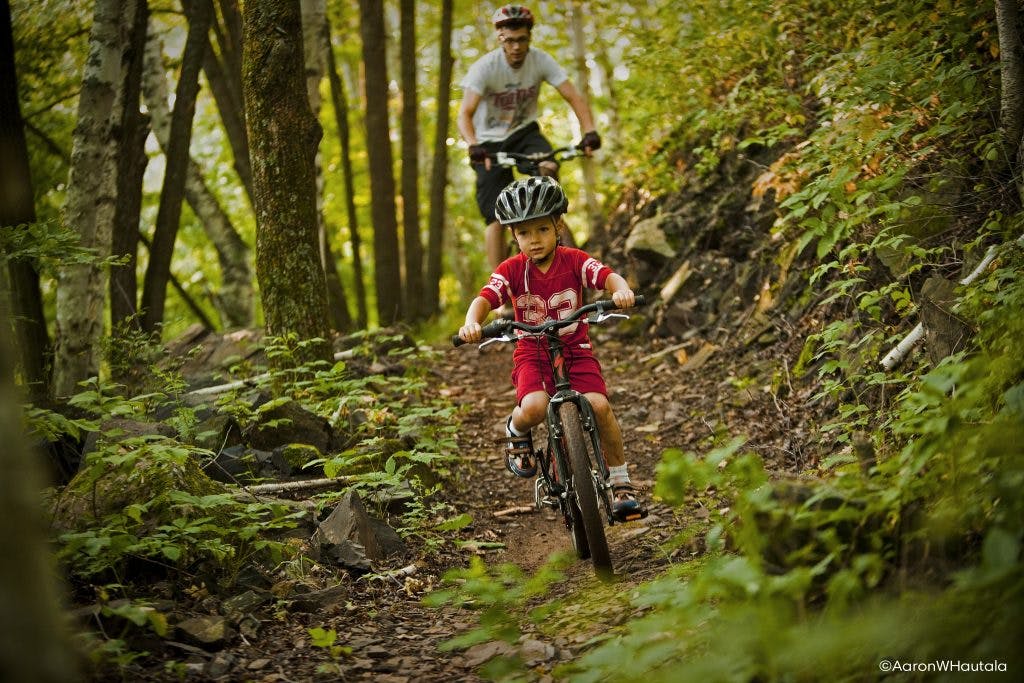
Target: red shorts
x: 531, y: 372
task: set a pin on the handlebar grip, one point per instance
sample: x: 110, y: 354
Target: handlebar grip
x: 640, y: 300
x: 492, y: 329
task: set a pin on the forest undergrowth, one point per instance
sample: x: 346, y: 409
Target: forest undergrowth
x: 893, y: 551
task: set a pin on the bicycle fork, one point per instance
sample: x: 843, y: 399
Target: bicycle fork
x: 550, y: 489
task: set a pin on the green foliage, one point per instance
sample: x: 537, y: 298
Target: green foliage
x: 500, y: 594
x: 50, y: 245
x: 325, y: 639
x: 174, y: 528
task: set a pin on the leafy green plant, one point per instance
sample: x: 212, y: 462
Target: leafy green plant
x: 501, y: 594
x: 173, y: 529
x: 326, y: 639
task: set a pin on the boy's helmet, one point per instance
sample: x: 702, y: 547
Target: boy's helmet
x: 513, y: 14
x: 530, y: 198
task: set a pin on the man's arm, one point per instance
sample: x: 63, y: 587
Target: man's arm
x: 579, y: 105
x: 464, y: 121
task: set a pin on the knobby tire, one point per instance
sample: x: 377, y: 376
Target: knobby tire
x: 587, y: 511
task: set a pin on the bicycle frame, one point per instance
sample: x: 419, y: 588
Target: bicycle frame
x: 556, y: 448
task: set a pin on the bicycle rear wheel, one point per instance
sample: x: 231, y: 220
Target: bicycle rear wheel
x: 586, y: 516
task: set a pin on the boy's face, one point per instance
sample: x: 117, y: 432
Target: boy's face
x: 537, y: 238
x: 516, y: 43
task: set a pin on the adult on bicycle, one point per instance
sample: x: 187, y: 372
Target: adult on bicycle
x: 499, y: 113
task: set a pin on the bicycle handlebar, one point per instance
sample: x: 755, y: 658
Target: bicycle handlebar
x: 513, y: 158
x: 499, y: 327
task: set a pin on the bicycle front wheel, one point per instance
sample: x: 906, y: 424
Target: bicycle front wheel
x: 586, y: 516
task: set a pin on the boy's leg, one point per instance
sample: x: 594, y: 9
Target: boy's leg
x: 625, y: 506
x: 611, y: 434
x: 519, y: 457
x: 530, y: 412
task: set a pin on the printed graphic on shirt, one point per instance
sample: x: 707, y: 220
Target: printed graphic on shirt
x: 509, y: 96
x: 553, y: 295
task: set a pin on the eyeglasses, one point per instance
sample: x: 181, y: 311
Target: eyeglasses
x: 521, y: 40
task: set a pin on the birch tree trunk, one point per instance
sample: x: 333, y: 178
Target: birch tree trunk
x: 387, y: 268
x: 579, y: 46
x: 234, y: 301
x: 283, y: 137
x: 314, y: 19
x: 33, y: 641
x: 339, y: 100
x: 91, y: 196
x: 17, y: 206
x: 168, y: 217
x: 1011, y: 61
x: 410, y: 166
x: 439, y: 169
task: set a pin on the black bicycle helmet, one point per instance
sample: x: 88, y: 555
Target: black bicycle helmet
x: 530, y: 198
x: 516, y: 15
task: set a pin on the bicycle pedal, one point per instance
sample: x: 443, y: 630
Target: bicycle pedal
x: 630, y: 516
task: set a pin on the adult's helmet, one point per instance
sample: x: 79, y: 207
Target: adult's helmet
x: 530, y: 198
x: 513, y: 14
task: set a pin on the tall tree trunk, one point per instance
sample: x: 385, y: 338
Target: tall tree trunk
x: 579, y: 46
x: 339, y: 100
x: 131, y: 165
x: 234, y: 301
x: 439, y: 169
x: 314, y: 19
x: 168, y: 217
x: 1011, y: 61
x: 91, y: 196
x: 33, y: 641
x: 223, y: 70
x: 411, y: 167
x: 17, y: 207
x: 387, y: 269
x: 609, y: 137
x: 283, y: 137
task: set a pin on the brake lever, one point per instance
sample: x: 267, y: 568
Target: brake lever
x: 495, y: 340
x: 601, y: 317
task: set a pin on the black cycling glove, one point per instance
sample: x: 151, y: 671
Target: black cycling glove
x: 477, y: 154
x: 590, y: 139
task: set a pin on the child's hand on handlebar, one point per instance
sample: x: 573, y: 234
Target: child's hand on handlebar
x: 471, y: 332
x: 624, y: 298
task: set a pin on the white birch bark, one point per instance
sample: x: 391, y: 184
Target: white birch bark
x: 91, y: 197
x: 235, y: 300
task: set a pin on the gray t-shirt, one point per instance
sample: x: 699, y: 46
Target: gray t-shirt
x: 509, y: 96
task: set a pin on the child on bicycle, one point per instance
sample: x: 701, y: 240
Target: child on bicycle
x: 545, y: 281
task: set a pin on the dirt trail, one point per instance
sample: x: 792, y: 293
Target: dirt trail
x: 391, y: 637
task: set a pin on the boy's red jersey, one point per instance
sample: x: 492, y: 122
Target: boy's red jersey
x: 553, y: 295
